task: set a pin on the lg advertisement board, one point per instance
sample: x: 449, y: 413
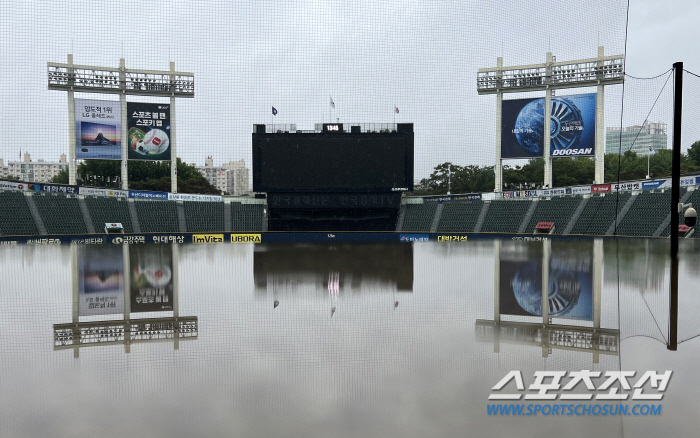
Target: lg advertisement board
x: 100, y: 280
x: 98, y: 127
x: 572, y: 127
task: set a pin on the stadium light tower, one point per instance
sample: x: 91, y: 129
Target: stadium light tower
x: 593, y: 72
x: 122, y: 81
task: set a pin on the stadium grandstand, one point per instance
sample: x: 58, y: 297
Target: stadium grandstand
x: 633, y: 212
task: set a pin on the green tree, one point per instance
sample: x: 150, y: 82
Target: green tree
x: 146, y: 175
x: 61, y: 177
x: 694, y: 153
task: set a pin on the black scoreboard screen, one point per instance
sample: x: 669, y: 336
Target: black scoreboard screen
x: 333, y: 162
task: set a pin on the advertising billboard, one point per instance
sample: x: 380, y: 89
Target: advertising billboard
x: 522, y: 128
x: 151, y: 278
x: 100, y: 280
x: 98, y: 128
x: 149, y: 131
x: 570, y: 282
x: 572, y: 127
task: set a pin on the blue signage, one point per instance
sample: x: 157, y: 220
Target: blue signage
x: 148, y: 195
x: 651, y: 185
x: 414, y: 237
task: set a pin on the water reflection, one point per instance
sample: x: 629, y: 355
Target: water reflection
x: 305, y: 340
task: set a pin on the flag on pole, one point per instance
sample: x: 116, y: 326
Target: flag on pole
x: 332, y: 103
x: 274, y: 111
x: 651, y: 151
x: 396, y: 109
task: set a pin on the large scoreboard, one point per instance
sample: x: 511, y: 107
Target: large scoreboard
x: 333, y: 160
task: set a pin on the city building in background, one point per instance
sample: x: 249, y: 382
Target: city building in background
x: 232, y: 178
x: 32, y: 171
x: 637, y: 138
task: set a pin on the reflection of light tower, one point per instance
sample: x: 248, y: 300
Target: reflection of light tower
x: 126, y: 331
x: 544, y: 333
x: 593, y: 72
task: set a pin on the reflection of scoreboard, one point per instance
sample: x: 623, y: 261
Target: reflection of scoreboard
x: 350, y: 267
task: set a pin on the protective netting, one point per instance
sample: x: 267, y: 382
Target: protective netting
x: 376, y: 62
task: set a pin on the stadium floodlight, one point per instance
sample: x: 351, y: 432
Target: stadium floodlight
x: 549, y: 76
x: 71, y: 77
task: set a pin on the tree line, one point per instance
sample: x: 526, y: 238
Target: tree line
x: 143, y: 175
x: 565, y: 172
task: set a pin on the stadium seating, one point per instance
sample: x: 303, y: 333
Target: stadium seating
x: 505, y: 216
x: 15, y: 217
x: 646, y: 214
x: 158, y: 216
x: 103, y: 210
x: 558, y: 210
x: 599, y: 213
x: 246, y: 217
x: 61, y: 214
x: 418, y: 217
x: 460, y: 217
x: 204, y: 216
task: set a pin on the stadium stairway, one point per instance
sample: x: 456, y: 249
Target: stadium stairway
x: 157, y: 216
x: 505, y: 216
x: 36, y: 215
x: 16, y: 217
x: 558, y: 210
x: 460, y: 217
x: 86, y: 216
x: 530, y: 211
x: 482, y: 217
x: 646, y: 213
x: 576, y: 215
x: 205, y: 216
x: 182, y: 222
x: 60, y: 214
x: 436, y: 219
x: 419, y: 217
x: 134, y: 216
x: 104, y: 210
x: 615, y: 226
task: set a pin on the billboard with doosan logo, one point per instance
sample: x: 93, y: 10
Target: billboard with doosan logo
x: 572, y: 127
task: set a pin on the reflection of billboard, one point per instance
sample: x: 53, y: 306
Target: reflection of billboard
x: 98, y: 129
x: 151, y: 278
x: 570, y: 283
x: 149, y: 131
x: 572, y: 127
x: 100, y: 280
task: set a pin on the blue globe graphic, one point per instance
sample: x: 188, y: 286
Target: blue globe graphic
x: 564, y: 290
x: 529, y: 127
x: 566, y: 125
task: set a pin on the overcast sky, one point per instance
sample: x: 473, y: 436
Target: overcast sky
x: 367, y: 55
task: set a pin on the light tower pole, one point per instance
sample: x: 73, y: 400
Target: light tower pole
x: 549, y: 76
